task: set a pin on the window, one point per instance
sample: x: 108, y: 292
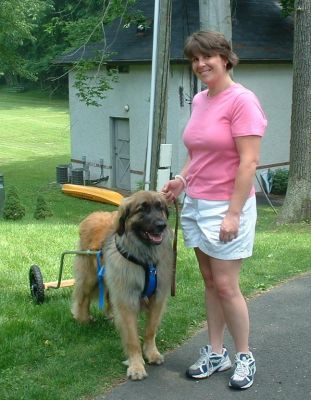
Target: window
x: 122, y: 69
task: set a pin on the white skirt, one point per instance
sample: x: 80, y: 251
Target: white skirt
x: 201, y: 220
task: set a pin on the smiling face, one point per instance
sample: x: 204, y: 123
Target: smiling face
x: 211, y: 70
x: 145, y: 214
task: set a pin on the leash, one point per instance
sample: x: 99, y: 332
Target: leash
x: 173, y: 286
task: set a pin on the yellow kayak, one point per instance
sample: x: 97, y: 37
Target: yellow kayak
x: 93, y: 193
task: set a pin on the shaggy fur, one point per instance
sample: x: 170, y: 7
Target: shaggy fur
x: 93, y: 231
x: 140, y: 228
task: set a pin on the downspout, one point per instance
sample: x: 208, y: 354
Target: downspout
x: 152, y: 92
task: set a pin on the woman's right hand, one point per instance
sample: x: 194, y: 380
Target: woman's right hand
x: 172, y: 189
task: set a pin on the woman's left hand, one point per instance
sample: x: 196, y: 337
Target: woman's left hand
x: 229, y: 227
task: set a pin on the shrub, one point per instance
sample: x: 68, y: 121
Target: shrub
x: 13, y: 209
x: 140, y: 185
x: 279, y: 181
x: 42, y: 210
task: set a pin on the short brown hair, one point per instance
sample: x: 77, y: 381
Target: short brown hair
x: 210, y: 43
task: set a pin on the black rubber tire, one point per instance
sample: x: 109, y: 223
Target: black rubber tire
x: 36, y: 284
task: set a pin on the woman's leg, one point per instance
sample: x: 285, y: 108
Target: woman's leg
x: 215, y: 316
x: 235, y: 312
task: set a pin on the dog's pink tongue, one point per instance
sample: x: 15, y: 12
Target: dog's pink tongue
x: 156, y: 238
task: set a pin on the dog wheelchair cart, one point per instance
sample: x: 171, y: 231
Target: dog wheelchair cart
x: 38, y: 286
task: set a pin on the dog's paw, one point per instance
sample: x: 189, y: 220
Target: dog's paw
x: 81, y: 316
x: 154, y: 357
x: 136, y: 372
x: 109, y: 318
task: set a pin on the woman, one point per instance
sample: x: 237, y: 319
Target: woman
x: 219, y: 214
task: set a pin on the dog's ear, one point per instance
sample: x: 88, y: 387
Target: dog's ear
x: 124, y: 211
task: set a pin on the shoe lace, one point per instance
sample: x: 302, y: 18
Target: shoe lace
x: 241, y: 368
x: 202, y: 359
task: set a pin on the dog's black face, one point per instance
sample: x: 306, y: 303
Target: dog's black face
x: 145, y: 214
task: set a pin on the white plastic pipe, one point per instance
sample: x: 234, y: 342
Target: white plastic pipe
x: 152, y: 92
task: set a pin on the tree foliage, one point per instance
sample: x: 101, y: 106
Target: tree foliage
x: 279, y: 181
x: 34, y: 32
x: 93, y: 87
x: 18, y: 20
x: 13, y: 208
x: 42, y: 209
x: 287, y: 7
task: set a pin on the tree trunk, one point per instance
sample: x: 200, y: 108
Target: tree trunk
x: 297, y: 205
x: 215, y: 15
x: 161, y: 92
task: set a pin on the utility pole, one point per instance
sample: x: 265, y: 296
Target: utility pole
x: 215, y: 15
x: 158, y: 125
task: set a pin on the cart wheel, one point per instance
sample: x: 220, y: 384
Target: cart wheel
x: 36, y: 284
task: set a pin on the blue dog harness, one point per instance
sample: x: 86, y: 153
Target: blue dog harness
x: 150, y: 280
x: 150, y: 275
x: 100, y: 278
x: 150, y: 272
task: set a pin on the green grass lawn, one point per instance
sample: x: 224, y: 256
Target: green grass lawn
x: 44, y: 353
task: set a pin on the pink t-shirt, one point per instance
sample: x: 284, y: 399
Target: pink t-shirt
x: 209, y: 137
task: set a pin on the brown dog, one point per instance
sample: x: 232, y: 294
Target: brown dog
x: 93, y: 231
x: 133, y: 240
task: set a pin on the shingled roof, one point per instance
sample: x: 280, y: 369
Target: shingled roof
x: 259, y: 33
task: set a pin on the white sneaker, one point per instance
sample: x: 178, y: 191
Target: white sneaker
x: 244, y: 373
x: 208, y: 363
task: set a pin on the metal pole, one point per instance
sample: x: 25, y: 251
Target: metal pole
x: 152, y: 92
